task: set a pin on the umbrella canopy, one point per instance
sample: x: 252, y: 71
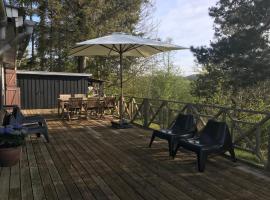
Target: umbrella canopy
x: 121, y: 44
x: 129, y: 45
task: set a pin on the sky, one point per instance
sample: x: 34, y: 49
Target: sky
x: 188, y: 24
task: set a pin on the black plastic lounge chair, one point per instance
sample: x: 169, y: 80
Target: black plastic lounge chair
x: 215, y: 138
x: 33, y: 124
x: 183, y: 127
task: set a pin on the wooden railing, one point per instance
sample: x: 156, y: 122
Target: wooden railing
x: 250, y: 129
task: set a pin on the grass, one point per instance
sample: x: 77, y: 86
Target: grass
x: 248, y: 157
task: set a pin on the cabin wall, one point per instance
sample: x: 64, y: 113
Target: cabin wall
x: 41, y: 91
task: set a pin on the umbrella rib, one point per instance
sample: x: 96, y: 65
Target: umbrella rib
x: 81, y: 45
x: 82, y: 49
x: 123, y: 47
x: 115, y: 49
x: 107, y: 47
x: 139, y: 52
x: 110, y: 52
x: 155, y: 48
x: 132, y: 47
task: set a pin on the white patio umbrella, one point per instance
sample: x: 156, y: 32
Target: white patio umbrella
x: 121, y: 44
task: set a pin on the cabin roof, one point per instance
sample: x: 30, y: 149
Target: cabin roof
x: 45, y: 73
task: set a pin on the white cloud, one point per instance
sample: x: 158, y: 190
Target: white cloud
x: 187, y: 22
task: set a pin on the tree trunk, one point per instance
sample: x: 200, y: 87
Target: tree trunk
x: 81, y: 64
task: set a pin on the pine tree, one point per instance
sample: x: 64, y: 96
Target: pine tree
x: 239, y: 56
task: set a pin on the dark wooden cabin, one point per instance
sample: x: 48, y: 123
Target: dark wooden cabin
x: 40, y: 90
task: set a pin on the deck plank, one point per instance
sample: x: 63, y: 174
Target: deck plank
x: 87, y: 159
x: 74, y: 169
x: 4, y: 183
x: 65, y: 176
x: 60, y: 188
x: 26, y: 186
x: 213, y: 184
x: 14, y: 188
x: 49, y: 189
x: 37, y: 187
x: 159, y: 183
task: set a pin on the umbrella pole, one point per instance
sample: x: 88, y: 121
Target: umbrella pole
x: 121, y: 85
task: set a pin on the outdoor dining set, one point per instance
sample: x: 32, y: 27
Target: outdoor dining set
x: 70, y: 107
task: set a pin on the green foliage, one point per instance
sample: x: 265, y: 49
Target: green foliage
x: 63, y: 23
x: 237, y: 62
x: 160, y: 85
x: 11, y: 139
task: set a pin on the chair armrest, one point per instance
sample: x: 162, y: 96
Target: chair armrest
x: 10, y: 106
x: 34, y: 119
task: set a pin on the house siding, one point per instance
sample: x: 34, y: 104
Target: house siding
x: 40, y: 92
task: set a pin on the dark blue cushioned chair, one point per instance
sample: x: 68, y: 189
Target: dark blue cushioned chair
x: 183, y: 127
x: 33, y: 124
x: 215, y: 138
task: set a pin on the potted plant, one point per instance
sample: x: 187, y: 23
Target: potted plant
x: 11, y: 140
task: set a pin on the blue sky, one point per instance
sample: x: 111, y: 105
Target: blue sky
x: 188, y: 24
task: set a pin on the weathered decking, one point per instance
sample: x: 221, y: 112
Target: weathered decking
x: 87, y: 159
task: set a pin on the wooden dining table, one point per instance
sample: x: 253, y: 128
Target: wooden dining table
x: 63, y: 102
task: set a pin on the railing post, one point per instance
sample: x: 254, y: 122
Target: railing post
x: 224, y: 115
x: 131, y: 108
x: 145, y: 112
x: 268, y: 152
x: 170, y: 117
x: 258, y: 139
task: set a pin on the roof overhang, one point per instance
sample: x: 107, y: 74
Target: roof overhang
x: 44, y: 73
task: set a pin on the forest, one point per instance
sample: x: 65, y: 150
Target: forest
x: 235, y: 68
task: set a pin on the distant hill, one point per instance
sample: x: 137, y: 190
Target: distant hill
x: 192, y: 77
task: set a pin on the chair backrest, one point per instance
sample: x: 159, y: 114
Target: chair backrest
x: 109, y: 102
x: 215, y: 133
x: 3, y: 115
x: 183, y: 123
x: 74, y: 102
x: 80, y: 95
x: 17, y: 114
x: 64, y: 96
x: 92, y: 102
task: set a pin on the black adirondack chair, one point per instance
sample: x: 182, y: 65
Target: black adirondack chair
x: 215, y: 138
x: 33, y: 124
x: 183, y: 127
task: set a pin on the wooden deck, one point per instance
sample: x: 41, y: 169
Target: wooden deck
x: 87, y: 159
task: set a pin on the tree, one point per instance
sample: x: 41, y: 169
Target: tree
x: 63, y: 23
x: 239, y: 56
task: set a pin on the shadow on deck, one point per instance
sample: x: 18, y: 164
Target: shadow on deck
x: 87, y: 159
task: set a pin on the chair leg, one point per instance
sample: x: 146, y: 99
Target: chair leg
x: 175, y: 151
x: 152, y: 139
x: 201, y: 160
x: 231, y: 151
x: 45, y: 134
x: 171, y: 146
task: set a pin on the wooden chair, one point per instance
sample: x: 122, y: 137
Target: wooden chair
x: 64, y: 96
x: 92, y: 106
x: 109, y: 103
x: 73, y: 107
x: 80, y: 95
